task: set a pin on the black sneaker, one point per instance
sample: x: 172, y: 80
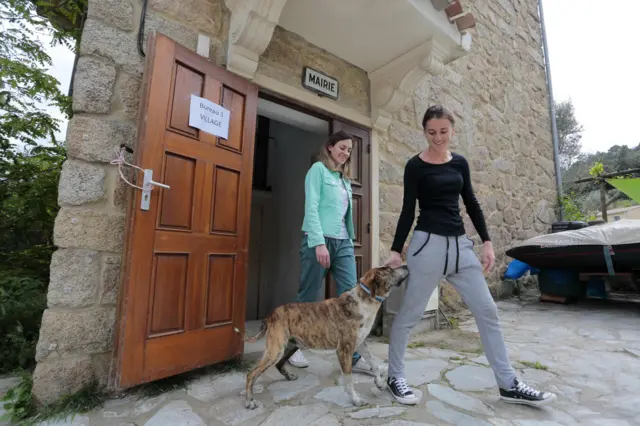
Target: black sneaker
x: 521, y: 393
x: 401, y: 391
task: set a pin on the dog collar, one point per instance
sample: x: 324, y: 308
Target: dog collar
x: 366, y: 289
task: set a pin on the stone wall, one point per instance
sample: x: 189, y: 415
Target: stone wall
x: 498, y: 94
x: 77, y: 333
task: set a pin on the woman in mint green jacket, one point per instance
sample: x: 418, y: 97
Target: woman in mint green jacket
x: 327, y: 243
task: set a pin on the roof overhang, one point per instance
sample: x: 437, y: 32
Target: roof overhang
x: 397, y: 43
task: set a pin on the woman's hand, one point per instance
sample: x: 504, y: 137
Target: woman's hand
x: 394, y: 260
x: 488, y: 256
x: 322, y: 254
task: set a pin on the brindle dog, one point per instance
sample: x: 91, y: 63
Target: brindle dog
x: 341, y: 324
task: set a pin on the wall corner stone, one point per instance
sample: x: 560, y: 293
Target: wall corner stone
x: 93, y: 85
x: 81, y: 183
x: 74, y: 278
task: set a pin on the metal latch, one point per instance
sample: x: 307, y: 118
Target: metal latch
x: 147, y: 186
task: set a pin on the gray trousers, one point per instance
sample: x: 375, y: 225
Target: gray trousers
x: 431, y: 258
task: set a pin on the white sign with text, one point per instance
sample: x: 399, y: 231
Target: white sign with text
x: 209, y: 117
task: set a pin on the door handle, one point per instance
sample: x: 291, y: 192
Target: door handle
x: 147, y: 185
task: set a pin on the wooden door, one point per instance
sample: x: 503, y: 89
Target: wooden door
x: 186, y: 256
x: 361, y: 185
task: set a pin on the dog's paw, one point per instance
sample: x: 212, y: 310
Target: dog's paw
x: 380, y: 384
x: 357, y: 401
x: 251, y: 404
x: 290, y: 376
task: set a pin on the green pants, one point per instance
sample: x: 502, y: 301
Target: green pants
x: 312, y: 273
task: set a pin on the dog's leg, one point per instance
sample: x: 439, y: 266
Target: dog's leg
x: 288, y: 353
x: 363, y: 350
x: 272, y: 353
x: 345, y: 356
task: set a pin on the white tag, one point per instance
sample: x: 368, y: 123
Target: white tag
x: 209, y: 117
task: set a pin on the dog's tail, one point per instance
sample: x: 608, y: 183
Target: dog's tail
x: 256, y: 337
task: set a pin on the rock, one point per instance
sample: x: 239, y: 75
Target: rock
x: 209, y: 16
x: 419, y: 372
x: 110, y: 280
x: 405, y: 423
x: 74, y: 278
x: 93, y: 85
x: 294, y: 416
x: 210, y: 388
x: 537, y: 377
x: 129, y: 94
x: 378, y: 412
x: 109, y: 42
x: 471, y: 378
x: 283, y: 389
x: 89, y: 229
x: 453, y: 417
x: 481, y: 360
x: 88, y: 332
x: 231, y: 411
x: 60, y: 376
x: 335, y: 395
x: 131, y: 406
x: 118, y: 13
x: 329, y: 419
x: 175, y: 413
x: 71, y: 420
x: 81, y: 183
x: 96, y: 139
x: 458, y: 399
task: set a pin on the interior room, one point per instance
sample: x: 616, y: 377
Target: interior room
x: 287, y: 142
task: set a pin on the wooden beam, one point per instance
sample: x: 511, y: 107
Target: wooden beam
x: 607, y: 176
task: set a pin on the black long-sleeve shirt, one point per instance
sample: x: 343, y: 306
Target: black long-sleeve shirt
x: 438, y: 188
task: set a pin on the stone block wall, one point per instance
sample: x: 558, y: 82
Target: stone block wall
x: 76, y: 338
x: 499, y: 96
x: 77, y: 333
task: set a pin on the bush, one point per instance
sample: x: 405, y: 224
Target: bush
x: 22, y: 301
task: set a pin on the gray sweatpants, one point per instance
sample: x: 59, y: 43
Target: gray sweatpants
x: 430, y: 258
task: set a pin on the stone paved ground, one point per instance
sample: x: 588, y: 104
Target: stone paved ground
x: 591, y: 350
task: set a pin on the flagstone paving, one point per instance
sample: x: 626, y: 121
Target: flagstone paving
x: 587, y: 353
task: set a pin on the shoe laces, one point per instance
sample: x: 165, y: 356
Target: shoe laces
x: 402, y: 386
x: 527, y: 390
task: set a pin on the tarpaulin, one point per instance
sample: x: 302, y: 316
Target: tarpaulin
x: 631, y: 187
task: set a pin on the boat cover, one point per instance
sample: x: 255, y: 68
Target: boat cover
x: 620, y: 232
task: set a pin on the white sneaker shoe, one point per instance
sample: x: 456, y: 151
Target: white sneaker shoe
x: 298, y: 360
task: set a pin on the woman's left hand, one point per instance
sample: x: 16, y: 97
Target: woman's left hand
x: 488, y: 256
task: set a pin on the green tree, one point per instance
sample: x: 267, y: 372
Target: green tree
x: 569, y: 133
x: 30, y: 163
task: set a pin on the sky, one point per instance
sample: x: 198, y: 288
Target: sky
x: 592, y: 59
x: 595, y: 62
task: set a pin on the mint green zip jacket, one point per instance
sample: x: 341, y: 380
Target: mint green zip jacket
x: 322, y: 205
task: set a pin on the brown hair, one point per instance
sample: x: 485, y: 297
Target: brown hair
x: 437, y: 111
x: 324, y: 155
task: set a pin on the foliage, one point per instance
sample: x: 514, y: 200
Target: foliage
x: 618, y: 158
x: 25, y: 85
x: 571, y: 209
x: 30, y: 163
x: 597, y: 169
x: 21, y: 409
x: 569, y: 133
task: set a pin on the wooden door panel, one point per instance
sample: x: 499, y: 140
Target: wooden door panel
x: 187, y: 82
x: 225, y: 197
x: 185, y: 274
x: 356, y: 202
x: 176, y: 207
x: 356, y: 162
x: 234, y: 102
x: 168, y: 292
x: 221, y: 280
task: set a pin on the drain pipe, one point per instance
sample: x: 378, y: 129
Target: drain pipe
x: 552, y: 111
